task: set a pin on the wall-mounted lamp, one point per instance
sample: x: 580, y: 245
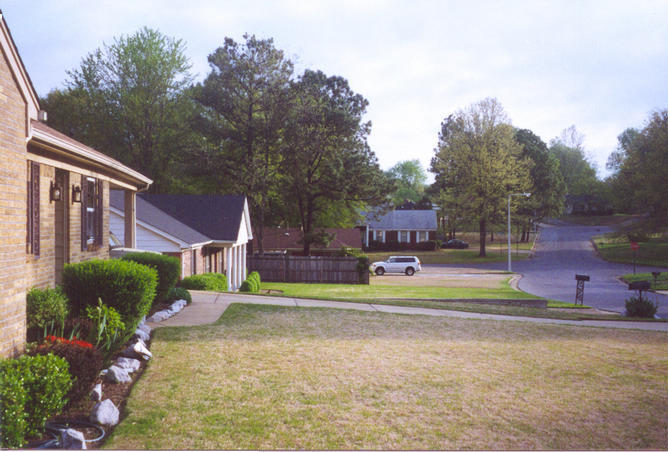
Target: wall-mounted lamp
x: 55, y: 192
x: 76, y: 194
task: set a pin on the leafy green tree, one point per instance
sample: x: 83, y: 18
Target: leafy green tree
x: 548, y: 189
x: 578, y: 173
x: 478, y: 162
x: 325, y: 155
x: 641, y: 165
x: 244, y: 105
x: 128, y: 100
x: 410, y: 181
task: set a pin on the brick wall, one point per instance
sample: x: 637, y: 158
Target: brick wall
x: 13, y: 214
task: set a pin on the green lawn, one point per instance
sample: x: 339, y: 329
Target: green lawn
x: 616, y: 248
x: 661, y: 282
x: 427, y: 297
x: 268, y: 377
x: 351, y: 292
x: 495, y: 253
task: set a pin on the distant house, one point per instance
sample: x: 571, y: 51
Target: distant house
x: 54, y: 202
x: 288, y: 240
x: 208, y: 233
x: 401, y: 226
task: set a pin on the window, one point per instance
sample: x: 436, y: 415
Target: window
x: 32, y: 238
x: 422, y: 236
x: 403, y: 236
x: 91, y: 213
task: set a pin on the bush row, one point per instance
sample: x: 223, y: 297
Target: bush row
x: 179, y: 293
x: 168, y: 268
x: 251, y: 283
x: 32, y: 389
x: 206, y: 281
x: 429, y: 245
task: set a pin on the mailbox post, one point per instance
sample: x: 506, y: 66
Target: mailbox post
x: 640, y: 286
x: 580, y: 289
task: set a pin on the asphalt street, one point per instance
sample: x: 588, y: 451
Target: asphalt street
x: 562, y: 251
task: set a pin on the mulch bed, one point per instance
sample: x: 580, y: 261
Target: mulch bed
x: 116, y: 392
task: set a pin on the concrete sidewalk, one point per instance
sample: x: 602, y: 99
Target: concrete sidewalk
x: 207, y: 307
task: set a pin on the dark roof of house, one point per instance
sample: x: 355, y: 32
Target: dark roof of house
x: 288, y: 238
x: 191, y: 218
x: 397, y: 220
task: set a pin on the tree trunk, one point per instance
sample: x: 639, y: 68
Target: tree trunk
x: 492, y: 236
x: 483, y: 237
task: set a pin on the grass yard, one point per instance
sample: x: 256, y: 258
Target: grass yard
x: 661, y: 281
x: 616, y: 248
x: 453, y: 298
x: 377, y: 291
x: 267, y: 377
x: 495, y: 253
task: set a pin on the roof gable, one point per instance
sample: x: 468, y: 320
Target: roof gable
x: 405, y: 220
x: 217, y: 217
x: 18, y: 69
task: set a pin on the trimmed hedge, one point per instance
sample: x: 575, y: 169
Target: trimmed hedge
x: 168, y: 268
x: 85, y: 365
x: 251, y: 283
x: 206, y: 281
x: 179, y: 293
x: 126, y: 286
x: 33, y: 389
x: 46, y: 310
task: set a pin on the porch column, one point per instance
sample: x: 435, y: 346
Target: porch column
x: 238, y: 262
x: 130, y: 213
x: 228, y: 268
x: 367, y: 236
x: 244, y: 270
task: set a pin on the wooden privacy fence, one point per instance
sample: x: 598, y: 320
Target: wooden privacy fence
x: 307, y: 269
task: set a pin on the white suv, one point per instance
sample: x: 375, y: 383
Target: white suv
x: 397, y: 264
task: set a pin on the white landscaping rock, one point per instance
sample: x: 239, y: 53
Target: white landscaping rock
x: 72, y: 439
x: 96, y: 393
x: 144, y: 327
x: 118, y: 375
x: 105, y: 413
x: 138, y: 350
x: 129, y: 364
x: 159, y: 316
x: 178, y: 305
x: 141, y: 334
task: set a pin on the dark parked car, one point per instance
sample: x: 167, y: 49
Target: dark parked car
x: 455, y: 243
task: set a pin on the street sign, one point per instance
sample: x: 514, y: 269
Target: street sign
x: 634, y: 246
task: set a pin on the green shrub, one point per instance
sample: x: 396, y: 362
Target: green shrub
x: 85, y: 365
x: 33, y: 390
x: 108, y: 326
x: 206, y: 281
x: 126, y: 286
x: 640, y: 307
x: 46, y: 311
x: 179, y: 293
x: 13, y: 396
x: 245, y: 286
x: 168, y: 268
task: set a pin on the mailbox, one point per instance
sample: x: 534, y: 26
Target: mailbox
x: 582, y: 277
x: 640, y: 285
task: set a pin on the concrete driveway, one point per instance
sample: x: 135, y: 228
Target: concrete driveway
x: 564, y: 250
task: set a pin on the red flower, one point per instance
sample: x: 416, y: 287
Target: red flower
x: 74, y: 341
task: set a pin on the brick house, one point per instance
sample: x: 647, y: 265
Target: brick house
x: 208, y: 233
x: 400, y: 226
x: 54, y: 198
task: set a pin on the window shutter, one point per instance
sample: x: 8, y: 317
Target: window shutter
x: 99, y: 218
x: 35, y: 207
x: 84, y: 199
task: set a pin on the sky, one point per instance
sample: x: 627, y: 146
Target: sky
x: 599, y: 65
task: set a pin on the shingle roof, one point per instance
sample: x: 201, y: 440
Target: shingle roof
x: 405, y: 220
x: 288, y: 238
x: 190, y: 218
